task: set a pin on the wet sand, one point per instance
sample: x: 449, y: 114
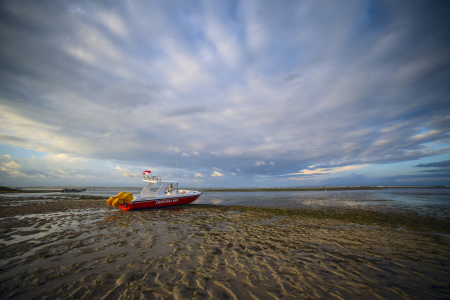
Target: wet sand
x: 82, y: 249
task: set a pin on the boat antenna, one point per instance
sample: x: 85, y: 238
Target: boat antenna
x: 176, y: 165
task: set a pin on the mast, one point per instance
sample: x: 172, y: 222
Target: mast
x: 176, y: 165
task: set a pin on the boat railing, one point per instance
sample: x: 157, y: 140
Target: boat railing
x: 152, y: 177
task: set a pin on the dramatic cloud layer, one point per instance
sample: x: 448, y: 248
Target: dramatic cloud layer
x: 240, y: 93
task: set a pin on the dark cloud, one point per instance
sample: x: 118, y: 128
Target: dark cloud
x: 181, y: 111
x: 442, y: 171
x: 293, y: 76
x: 440, y: 164
x: 131, y: 95
x: 13, y: 139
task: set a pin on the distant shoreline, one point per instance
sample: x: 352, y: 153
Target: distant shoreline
x: 333, y: 188
x: 4, y: 189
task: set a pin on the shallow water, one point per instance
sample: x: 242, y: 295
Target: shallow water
x: 422, y: 201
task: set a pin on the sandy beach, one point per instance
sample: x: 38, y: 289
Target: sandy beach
x: 79, y: 248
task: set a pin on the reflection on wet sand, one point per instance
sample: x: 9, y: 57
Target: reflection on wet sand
x: 207, y: 252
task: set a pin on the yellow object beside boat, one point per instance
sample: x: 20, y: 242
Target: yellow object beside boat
x: 121, y: 198
x: 117, y: 202
x: 111, y: 200
x: 128, y: 198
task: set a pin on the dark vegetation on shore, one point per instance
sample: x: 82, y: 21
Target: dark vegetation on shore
x: 4, y: 189
x: 406, y: 220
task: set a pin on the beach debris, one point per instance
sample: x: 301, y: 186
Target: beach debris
x: 121, y: 198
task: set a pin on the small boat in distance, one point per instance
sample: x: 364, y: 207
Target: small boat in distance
x: 66, y: 190
x: 168, y: 194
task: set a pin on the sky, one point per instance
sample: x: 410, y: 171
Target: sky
x: 225, y: 93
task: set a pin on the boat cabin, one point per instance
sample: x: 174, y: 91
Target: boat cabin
x: 167, y: 188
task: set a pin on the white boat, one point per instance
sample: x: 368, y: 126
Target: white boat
x: 168, y: 194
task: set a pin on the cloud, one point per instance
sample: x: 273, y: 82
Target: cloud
x: 426, y: 134
x: 181, y: 111
x: 12, y: 165
x: 331, y: 170
x: 64, y: 158
x: 106, y: 135
x: 293, y: 76
x: 124, y: 172
x: 42, y: 170
x: 198, y: 174
x: 440, y: 164
x: 217, y: 174
x: 262, y: 163
x: 131, y: 94
x: 12, y: 169
x: 113, y: 22
x: 173, y: 149
x: 442, y: 168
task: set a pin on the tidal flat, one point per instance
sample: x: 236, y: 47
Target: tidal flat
x: 76, y: 247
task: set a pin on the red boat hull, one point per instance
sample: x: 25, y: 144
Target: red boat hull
x: 159, y: 202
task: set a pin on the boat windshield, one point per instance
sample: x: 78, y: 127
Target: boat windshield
x: 152, y: 177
